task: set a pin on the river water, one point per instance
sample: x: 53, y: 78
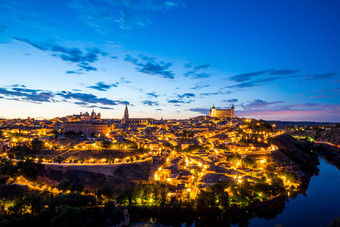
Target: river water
x: 318, y: 207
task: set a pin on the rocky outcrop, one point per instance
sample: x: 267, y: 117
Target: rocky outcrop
x: 329, y: 153
x: 331, y: 135
x: 134, y: 171
x: 300, y: 153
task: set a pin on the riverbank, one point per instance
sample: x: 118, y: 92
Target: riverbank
x: 328, y: 152
x: 318, y: 206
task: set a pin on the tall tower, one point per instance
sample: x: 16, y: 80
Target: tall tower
x: 232, y: 111
x: 126, y: 113
x: 213, y: 111
x: 93, y: 114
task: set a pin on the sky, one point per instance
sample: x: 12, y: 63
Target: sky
x: 272, y: 60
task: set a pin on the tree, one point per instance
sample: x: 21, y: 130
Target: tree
x: 77, y: 186
x: 291, y: 176
x: 70, y: 133
x: 278, y: 186
x: 56, y: 134
x: 59, y: 159
x: 106, y: 144
x: 248, y: 162
x: 29, y: 169
x: 106, y: 190
x: 36, y: 201
x: 193, y: 148
x: 79, y: 134
x: 64, y: 185
x: 3, y: 180
x: 74, y: 199
x: 37, y: 144
x: 234, y: 157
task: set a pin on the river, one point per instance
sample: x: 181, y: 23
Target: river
x: 318, y: 207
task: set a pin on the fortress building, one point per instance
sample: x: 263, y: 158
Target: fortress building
x: 135, y: 121
x: 84, y: 117
x: 89, y: 125
x: 222, y: 112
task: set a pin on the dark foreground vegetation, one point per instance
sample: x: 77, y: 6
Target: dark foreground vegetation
x: 73, y: 206
x: 221, y: 204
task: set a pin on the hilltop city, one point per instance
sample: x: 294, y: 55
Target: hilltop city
x: 220, y: 162
x: 188, y: 155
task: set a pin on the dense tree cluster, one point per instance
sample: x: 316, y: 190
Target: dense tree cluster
x: 28, y: 169
x: 71, y: 209
x: 193, y: 148
x: 44, y: 209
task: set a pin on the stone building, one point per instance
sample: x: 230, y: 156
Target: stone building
x: 135, y: 121
x: 222, y: 112
x: 89, y: 125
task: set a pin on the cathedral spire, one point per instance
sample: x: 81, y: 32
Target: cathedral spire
x: 126, y: 113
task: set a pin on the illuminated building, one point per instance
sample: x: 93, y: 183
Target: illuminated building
x: 135, y: 121
x: 222, y: 112
x: 89, y: 125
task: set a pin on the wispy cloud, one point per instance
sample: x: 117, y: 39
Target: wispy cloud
x: 243, y: 85
x: 195, y: 71
x: 230, y: 100
x: 198, y: 87
x: 86, y: 105
x: 254, y: 83
x: 248, y: 76
x: 324, y: 93
x: 72, y: 55
x: 221, y: 91
x: 209, y: 93
x: 106, y: 15
x: 150, y: 103
x: 186, y: 95
x: 101, y: 86
x: 258, y: 103
x: 21, y: 93
x: 89, y: 98
x: 152, y: 95
x: 17, y: 85
x: 182, y: 98
x: 175, y: 101
x: 269, y: 72
x: 320, y: 76
x: 204, y: 111
x: 27, y: 95
x: 301, y: 112
x: 150, y: 66
x: 124, y: 81
x: 74, y: 72
x: 284, y: 71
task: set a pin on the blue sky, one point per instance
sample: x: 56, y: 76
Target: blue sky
x: 275, y: 60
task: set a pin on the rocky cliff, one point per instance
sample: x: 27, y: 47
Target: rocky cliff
x: 300, y: 153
